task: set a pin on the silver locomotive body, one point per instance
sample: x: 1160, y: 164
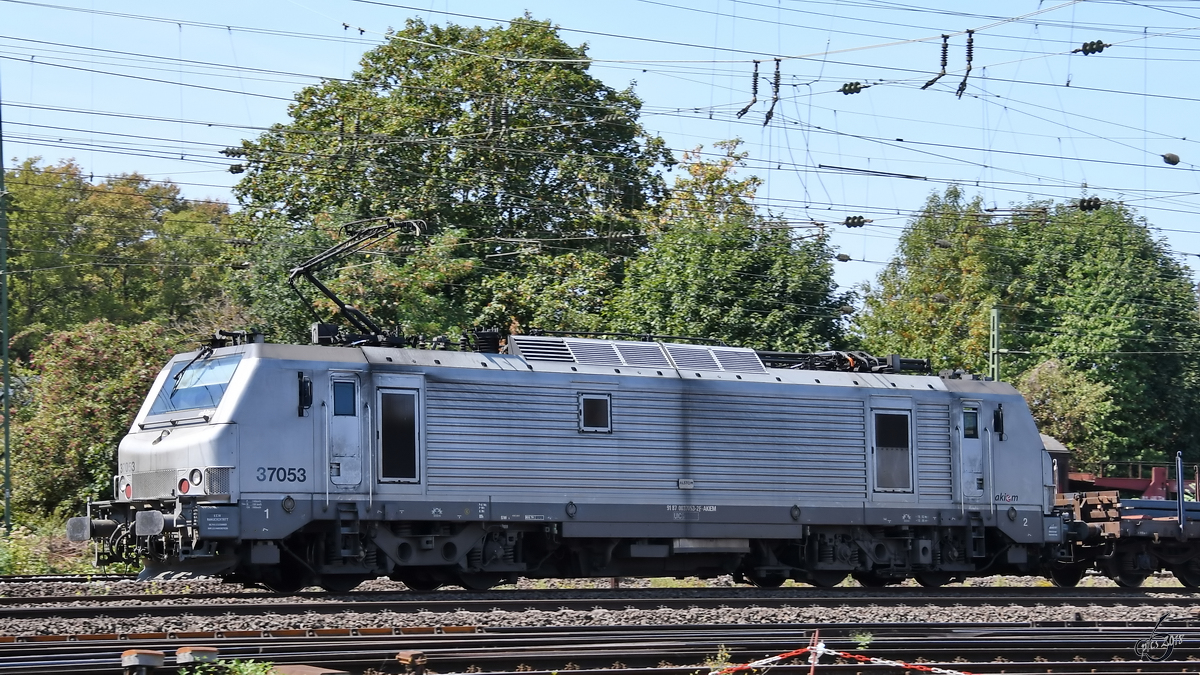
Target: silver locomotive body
x: 291, y: 465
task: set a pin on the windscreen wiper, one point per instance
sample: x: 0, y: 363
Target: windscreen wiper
x: 204, y: 353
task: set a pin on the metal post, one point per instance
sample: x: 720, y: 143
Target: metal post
x: 4, y: 332
x: 994, y: 346
x: 1179, y: 495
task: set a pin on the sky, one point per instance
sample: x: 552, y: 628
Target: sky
x: 160, y: 88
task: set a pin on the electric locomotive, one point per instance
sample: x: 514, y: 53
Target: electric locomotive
x: 559, y: 456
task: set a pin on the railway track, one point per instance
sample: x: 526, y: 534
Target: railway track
x: 65, y: 578
x: 217, y: 604
x: 1059, y: 648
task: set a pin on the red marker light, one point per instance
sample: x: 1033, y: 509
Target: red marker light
x: 129, y: 491
x: 184, y: 486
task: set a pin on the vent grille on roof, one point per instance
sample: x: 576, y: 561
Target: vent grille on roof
x: 648, y: 355
x: 594, y: 353
x: 542, y: 348
x: 692, y: 358
x: 639, y: 354
x: 738, y: 360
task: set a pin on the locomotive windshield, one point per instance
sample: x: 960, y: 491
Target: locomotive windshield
x: 200, y: 384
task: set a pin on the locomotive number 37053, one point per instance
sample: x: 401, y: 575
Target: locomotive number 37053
x: 281, y: 474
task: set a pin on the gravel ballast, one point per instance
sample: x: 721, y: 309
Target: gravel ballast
x: 598, y: 617
x: 910, y: 609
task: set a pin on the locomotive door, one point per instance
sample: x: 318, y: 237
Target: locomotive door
x: 971, y: 474
x: 344, y: 415
x: 892, y: 447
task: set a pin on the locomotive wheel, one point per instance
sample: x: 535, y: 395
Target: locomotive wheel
x: 341, y: 583
x: 1187, y: 575
x: 1130, y: 579
x: 933, y: 579
x: 766, y: 580
x: 1067, y: 577
x: 872, y: 580
x: 826, y: 578
x: 480, y: 581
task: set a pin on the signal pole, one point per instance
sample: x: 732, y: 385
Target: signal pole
x: 994, y: 346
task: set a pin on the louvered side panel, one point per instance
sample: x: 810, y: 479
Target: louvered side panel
x: 934, y: 448
x: 526, y: 439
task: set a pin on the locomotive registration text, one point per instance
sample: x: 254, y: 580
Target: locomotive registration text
x: 281, y: 474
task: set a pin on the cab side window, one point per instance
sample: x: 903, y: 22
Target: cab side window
x: 970, y: 422
x: 343, y: 399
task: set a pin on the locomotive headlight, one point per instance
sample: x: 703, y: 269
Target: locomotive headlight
x: 184, y: 486
x: 196, y: 476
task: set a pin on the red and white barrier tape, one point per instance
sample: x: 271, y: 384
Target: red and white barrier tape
x: 817, y: 650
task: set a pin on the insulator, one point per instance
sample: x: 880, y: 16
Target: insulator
x: 753, y: 93
x: 1171, y: 158
x: 945, y: 51
x: 775, y: 85
x: 1089, y: 204
x: 851, y: 88
x: 842, y: 257
x: 855, y: 221
x: 970, y: 46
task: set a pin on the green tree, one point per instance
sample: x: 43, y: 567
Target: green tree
x: 558, y: 292
x: 125, y: 248
x: 1100, y: 292
x: 87, y: 384
x: 1072, y: 408
x: 714, y: 267
x: 500, y: 131
x: 934, y: 298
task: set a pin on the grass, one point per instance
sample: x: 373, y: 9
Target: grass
x: 42, y: 548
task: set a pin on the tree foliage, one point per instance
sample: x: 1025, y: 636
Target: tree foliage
x: 714, y: 267
x: 933, y: 299
x: 87, y: 384
x: 462, y: 127
x: 126, y: 249
x: 1072, y: 408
